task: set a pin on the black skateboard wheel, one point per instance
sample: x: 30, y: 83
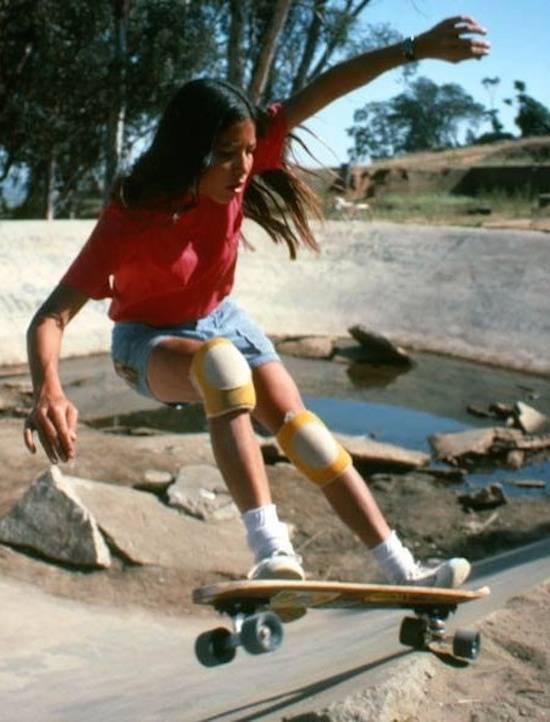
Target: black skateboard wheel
x: 413, y: 633
x: 215, y: 647
x: 466, y: 643
x: 262, y: 633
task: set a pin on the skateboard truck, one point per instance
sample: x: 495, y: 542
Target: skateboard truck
x: 257, y: 632
x: 429, y: 626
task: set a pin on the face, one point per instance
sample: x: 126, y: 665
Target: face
x: 233, y: 157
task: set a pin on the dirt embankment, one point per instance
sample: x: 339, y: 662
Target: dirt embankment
x: 510, y: 681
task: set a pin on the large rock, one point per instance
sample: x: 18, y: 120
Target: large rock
x: 530, y: 420
x: 318, y: 347
x: 488, y: 497
x: 379, y: 456
x: 156, y: 481
x: 454, y: 447
x: 200, y: 491
x: 145, y: 531
x: 376, y: 348
x: 51, y: 519
x: 493, y: 443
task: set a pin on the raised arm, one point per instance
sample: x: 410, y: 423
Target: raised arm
x: 53, y: 416
x: 452, y: 40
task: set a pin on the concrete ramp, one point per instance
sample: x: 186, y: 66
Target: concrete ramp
x: 474, y: 293
x: 33, y: 257
x: 477, y: 294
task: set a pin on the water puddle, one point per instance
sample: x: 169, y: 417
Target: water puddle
x: 411, y: 429
x: 383, y: 422
x: 393, y: 406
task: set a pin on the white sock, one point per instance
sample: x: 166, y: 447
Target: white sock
x: 395, y: 560
x: 265, y: 533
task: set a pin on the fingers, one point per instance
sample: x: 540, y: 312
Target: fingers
x: 454, y: 40
x: 468, y: 48
x: 28, y: 436
x: 72, y: 420
x: 47, y: 433
x: 465, y: 24
x: 56, y: 429
x: 62, y: 436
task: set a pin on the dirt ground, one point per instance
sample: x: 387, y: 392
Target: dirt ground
x: 510, y: 681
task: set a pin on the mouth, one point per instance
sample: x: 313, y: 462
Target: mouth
x: 236, y: 187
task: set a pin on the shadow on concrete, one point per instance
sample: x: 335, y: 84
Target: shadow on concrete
x: 279, y: 702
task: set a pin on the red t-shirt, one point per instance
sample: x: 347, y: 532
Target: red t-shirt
x: 162, y: 268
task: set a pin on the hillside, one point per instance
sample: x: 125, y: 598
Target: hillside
x: 503, y: 184
x: 523, y: 151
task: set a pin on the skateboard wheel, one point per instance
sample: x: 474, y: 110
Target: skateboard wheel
x: 466, y: 643
x: 262, y: 633
x: 215, y: 647
x: 413, y: 633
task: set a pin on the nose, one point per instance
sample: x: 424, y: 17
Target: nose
x: 242, y: 164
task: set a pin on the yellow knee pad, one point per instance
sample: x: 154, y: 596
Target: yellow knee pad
x: 312, y: 448
x: 223, y: 377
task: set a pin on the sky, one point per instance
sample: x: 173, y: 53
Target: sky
x: 519, y: 32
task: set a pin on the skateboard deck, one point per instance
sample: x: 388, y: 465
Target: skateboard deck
x: 259, y: 608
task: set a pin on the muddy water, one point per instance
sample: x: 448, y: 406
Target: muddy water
x: 390, y: 405
x: 405, y: 408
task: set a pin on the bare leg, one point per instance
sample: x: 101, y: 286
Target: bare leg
x: 240, y: 460
x: 233, y: 439
x: 348, y: 495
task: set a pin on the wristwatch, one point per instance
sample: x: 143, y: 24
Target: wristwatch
x: 407, y: 48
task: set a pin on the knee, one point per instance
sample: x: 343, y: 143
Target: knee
x: 312, y: 448
x: 223, y: 378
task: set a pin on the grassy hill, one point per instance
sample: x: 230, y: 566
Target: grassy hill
x: 490, y: 184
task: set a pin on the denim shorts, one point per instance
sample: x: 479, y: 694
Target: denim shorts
x: 133, y: 342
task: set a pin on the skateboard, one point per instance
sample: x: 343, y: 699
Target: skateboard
x: 258, y: 610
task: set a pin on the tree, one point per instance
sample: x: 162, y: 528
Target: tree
x: 118, y: 103
x: 81, y: 83
x: 275, y: 48
x: 533, y: 117
x: 64, y: 74
x: 497, y: 131
x: 425, y: 116
x: 266, y: 56
x: 490, y: 85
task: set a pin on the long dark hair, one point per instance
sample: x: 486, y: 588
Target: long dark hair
x: 182, y: 149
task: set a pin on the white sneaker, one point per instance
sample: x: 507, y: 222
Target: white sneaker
x: 278, y: 565
x: 449, y: 574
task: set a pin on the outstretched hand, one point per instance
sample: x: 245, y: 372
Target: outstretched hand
x: 453, y: 40
x: 54, y: 419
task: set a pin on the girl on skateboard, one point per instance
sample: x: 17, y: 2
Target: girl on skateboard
x: 164, y: 250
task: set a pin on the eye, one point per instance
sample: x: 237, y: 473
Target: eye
x: 224, y: 154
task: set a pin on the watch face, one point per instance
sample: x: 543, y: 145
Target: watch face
x: 408, y: 48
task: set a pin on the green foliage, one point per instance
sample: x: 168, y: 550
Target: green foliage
x: 56, y: 89
x: 60, y: 84
x: 425, y: 116
x: 66, y: 76
x: 533, y: 117
x: 316, y: 34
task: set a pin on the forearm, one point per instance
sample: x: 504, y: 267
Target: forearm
x: 45, y: 334
x: 352, y: 74
x: 53, y: 417
x: 44, y: 338
x: 451, y: 40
